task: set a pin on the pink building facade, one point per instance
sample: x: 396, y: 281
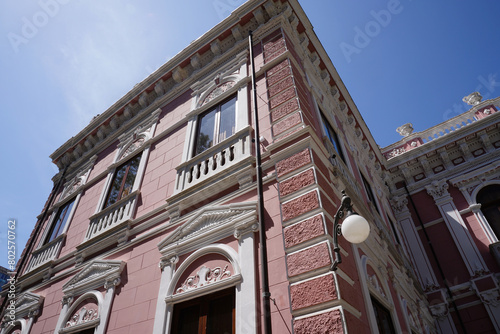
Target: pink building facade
x: 445, y: 194
x: 153, y: 222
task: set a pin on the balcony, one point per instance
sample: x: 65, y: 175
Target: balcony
x: 46, y: 253
x: 114, y: 216
x: 214, y: 160
x: 224, y: 165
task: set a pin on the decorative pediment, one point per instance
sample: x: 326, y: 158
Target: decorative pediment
x: 78, y: 179
x: 98, y: 273
x: 135, y: 138
x: 212, y: 223
x: 28, y: 304
x: 216, y: 84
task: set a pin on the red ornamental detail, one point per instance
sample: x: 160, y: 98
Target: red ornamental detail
x: 82, y: 316
x: 204, y: 277
x: 218, y: 91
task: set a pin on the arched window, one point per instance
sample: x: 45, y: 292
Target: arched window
x: 489, y: 197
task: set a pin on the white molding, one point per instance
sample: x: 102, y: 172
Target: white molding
x: 200, y: 235
x: 97, y: 274
x: 92, y: 276
x: 210, y: 223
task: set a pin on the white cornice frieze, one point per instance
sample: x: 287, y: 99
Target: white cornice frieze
x: 477, y: 176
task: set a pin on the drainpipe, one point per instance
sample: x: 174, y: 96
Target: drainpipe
x: 434, y: 255
x: 266, y: 295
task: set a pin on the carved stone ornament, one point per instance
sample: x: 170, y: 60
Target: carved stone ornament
x: 79, y: 179
x: 28, y: 304
x: 405, y: 130
x: 438, y: 189
x: 135, y: 138
x: 395, y: 152
x: 203, y: 277
x: 209, y: 221
x: 490, y: 297
x: 399, y: 203
x: 94, y: 275
x: 375, y: 284
x: 439, y: 311
x: 473, y: 99
x: 82, y: 316
x: 218, y: 91
x: 168, y: 261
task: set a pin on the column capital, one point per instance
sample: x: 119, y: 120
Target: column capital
x: 438, y: 190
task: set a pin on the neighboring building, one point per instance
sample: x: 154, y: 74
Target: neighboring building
x: 445, y: 187
x: 4, y: 276
x: 153, y: 226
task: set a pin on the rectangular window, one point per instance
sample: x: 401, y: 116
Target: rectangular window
x: 215, y: 125
x: 394, y: 230
x: 369, y: 192
x: 123, y: 180
x: 59, y: 222
x: 383, y: 316
x: 212, y: 314
x: 332, y: 135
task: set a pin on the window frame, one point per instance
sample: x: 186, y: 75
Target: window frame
x: 120, y: 196
x: 133, y: 142
x: 229, y: 79
x: 217, y: 108
x: 331, y: 134
x: 492, y: 230
x: 377, y: 306
x: 204, y: 313
x: 369, y: 192
x: 53, y: 222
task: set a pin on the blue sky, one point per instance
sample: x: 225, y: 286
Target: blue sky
x: 64, y: 61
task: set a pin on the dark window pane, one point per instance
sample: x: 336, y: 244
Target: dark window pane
x: 123, y: 180
x: 60, y: 221
x: 209, y: 314
x: 216, y: 125
x: 187, y: 321
x: 369, y: 192
x: 383, y: 316
x: 130, y: 178
x: 332, y: 135
x: 205, y: 137
x: 220, y: 317
x: 489, y: 197
x: 227, y: 120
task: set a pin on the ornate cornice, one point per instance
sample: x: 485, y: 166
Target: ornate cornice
x: 167, y: 80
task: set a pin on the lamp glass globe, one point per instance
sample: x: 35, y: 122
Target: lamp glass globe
x: 355, y: 229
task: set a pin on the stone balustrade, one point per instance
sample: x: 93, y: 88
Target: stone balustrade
x: 214, y: 160
x: 442, y: 129
x: 46, y: 253
x: 112, y: 216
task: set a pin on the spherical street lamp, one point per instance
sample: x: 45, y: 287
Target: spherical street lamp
x: 355, y: 228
